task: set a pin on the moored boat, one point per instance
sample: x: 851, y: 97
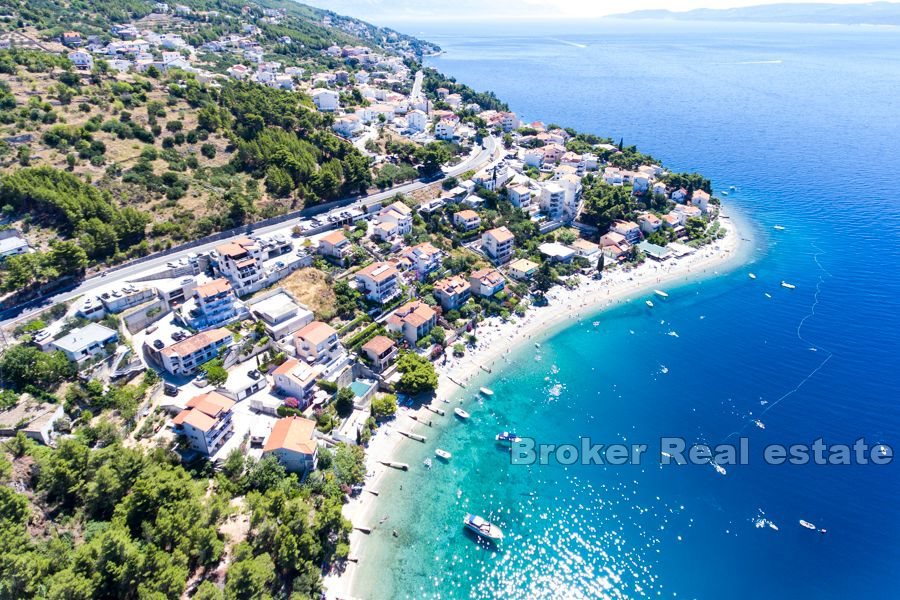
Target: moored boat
x: 483, y: 528
x: 752, y: 276
x: 487, y: 391
x: 809, y: 526
x: 661, y: 293
x: 442, y: 454
x: 461, y: 413
x: 508, y: 436
x: 650, y: 304
x: 787, y: 285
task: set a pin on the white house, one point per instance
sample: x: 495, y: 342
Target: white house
x: 82, y: 60
x: 297, y: 379
x: 628, y: 229
x: 417, y: 120
x: 86, y: 342
x: 498, y: 244
x: 519, y: 195
x: 424, y: 257
x: 325, y: 100
x: 445, y: 129
x: 700, y: 199
x: 467, y: 220
x: 414, y: 320
x: 291, y: 442
x: 486, y: 282
x: 553, y: 199
x: 241, y: 262
x: 206, y: 422
x: 187, y: 355
x: 649, y: 223
x: 380, y: 281
x: 317, y: 343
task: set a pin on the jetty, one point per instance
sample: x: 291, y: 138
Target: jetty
x: 439, y: 411
x: 395, y: 465
x: 415, y: 417
x: 412, y: 436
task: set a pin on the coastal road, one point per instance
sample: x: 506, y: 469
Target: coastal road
x: 417, y: 85
x: 122, y: 275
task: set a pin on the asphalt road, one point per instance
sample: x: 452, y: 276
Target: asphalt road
x: 124, y: 274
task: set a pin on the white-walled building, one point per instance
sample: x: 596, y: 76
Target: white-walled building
x: 292, y: 443
x: 498, y: 244
x: 86, y: 342
x: 206, y: 422
x: 379, y: 281
x: 317, y: 343
x: 186, y: 356
x: 326, y: 100
x: 241, y: 263
x: 297, y: 379
x: 417, y: 120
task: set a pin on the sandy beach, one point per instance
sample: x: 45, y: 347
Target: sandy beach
x: 495, y: 340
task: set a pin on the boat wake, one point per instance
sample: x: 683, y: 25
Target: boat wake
x: 809, y: 344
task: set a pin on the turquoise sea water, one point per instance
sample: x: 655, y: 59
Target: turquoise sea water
x: 804, y: 121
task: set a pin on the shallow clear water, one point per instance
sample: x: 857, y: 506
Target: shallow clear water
x: 804, y: 121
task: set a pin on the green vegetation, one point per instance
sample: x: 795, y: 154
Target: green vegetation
x: 604, y: 203
x: 384, y: 406
x: 137, y: 525
x: 418, y: 374
x: 214, y: 372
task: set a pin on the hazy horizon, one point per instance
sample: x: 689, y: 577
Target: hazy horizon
x: 385, y: 12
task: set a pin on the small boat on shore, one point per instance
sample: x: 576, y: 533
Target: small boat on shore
x: 787, y: 285
x: 661, y: 293
x: 508, y: 436
x: 483, y: 528
x: 461, y: 413
x: 443, y: 454
x: 487, y: 391
x: 649, y: 304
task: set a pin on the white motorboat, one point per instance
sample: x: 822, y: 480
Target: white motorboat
x: 752, y: 276
x: 483, y: 528
x: 661, y: 293
x: 487, y: 391
x: 443, y: 454
x: 461, y: 413
x: 787, y: 285
x: 650, y: 304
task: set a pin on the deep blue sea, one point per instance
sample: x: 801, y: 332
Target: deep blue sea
x: 805, y: 122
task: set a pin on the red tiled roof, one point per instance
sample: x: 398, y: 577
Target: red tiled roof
x: 294, y: 434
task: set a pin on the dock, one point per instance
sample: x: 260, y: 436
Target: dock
x: 395, y: 465
x: 415, y: 417
x: 439, y: 411
x: 412, y: 436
